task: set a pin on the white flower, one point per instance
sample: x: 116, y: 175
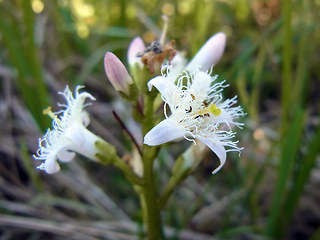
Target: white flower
x: 197, y: 112
x: 69, y: 133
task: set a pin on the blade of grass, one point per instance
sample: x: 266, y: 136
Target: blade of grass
x: 250, y: 200
x: 305, y: 48
x: 289, y: 148
x: 286, y: 65
x: 23, y: 57
x: 254, y: 99
x: 241, y: 85
x: 41, y: 92
x: 243, y: 58
x: 97, y: 57
x: 316, y: 235
x: 303, y: 175
x: 203, y: 14
x: 20, y: 62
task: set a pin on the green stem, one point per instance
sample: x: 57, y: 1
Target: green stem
x: 153, y: 219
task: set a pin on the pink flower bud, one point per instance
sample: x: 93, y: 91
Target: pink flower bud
x: 117, y: 73
x: 136, y: 46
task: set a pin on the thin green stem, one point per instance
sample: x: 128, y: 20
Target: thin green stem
x: 149, y: 190
x: 150, y: 195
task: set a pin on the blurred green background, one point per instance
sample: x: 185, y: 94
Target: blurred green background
x: 271, y: 62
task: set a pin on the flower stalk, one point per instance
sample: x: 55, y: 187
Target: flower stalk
x: 149, y: 189
x: 150, y: 195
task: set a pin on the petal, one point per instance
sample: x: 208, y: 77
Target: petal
x: 167, y: 130
x: 217, y: 147
x: 50, y: 165
x: 66, y: 156
x: 74, y: 136
x: 162, y: 84
x: 136, y: 46
x: 209, y: 54
x: 177, y: 65
x: 85, y: 118
x: 179, y: 61
x: 201, y: 82
x: 82, y: 95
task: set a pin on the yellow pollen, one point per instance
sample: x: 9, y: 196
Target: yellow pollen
x: 48, y: 111
x: 214, y: 110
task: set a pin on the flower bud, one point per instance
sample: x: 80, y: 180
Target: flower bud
x: 136, y: 47
x: 209, y: 54
x: 117, y: 73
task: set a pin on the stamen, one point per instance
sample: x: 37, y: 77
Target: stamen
x: 48, y: 111
x: 164, y: 30
x: 189, y: 111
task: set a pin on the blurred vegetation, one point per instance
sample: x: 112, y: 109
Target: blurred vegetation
x: 271, y: 62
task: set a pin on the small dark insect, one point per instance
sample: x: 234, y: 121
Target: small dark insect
x: 154, y: 55
x: 205, y: 103
x: 154, y: 47
x: 206, y: 115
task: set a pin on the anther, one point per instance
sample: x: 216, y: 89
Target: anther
x: 190, y: 110
x: 48, y: 111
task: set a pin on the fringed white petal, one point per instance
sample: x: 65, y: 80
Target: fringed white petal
x: 167, y: 130
x: 217, y: 147
x: 201, y: 82
x: 50, y: 165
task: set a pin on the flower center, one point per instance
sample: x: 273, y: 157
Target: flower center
x: 212, y: 108
x: 202, y: 108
